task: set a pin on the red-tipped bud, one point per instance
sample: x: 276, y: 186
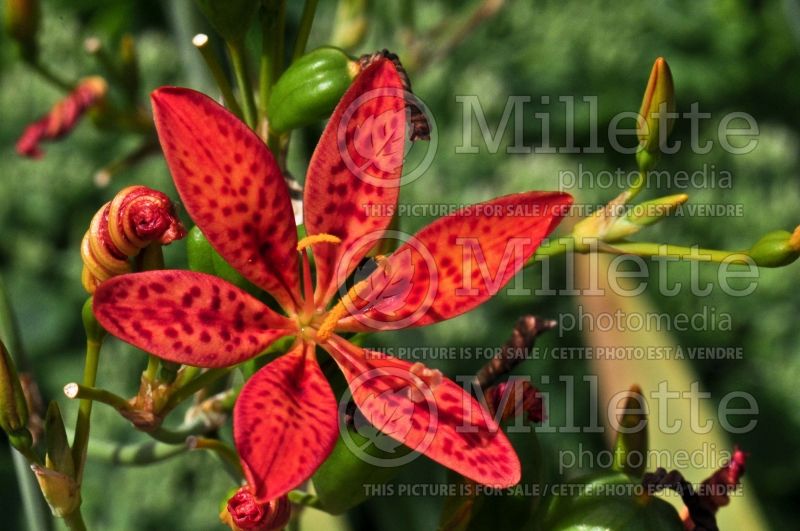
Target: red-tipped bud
x: 715, y: 492
x: 244, y: 513
x: 516, y: 397
x: 654, y: 123
x: 63, y: 117
x: 135, y: 218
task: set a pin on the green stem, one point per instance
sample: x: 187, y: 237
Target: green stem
x: 304, y: 499
x: 239, y: 62
x: 50, y: 76
x: 228, y: 456
x: 554, y: 247
x: 75, y: 521
x: 133, y: 454
x: 82, y: 424
x: 93, y: 394
x: 266, y: 64
x: 678, y: 251
x: 180, y: 434
x: 201, y: 42
x: 306, y: 21
x: 204, y: 380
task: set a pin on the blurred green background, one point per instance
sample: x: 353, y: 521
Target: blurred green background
x: 727, y: 55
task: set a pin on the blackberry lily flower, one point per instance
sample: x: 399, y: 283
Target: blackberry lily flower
x: 285, y: 420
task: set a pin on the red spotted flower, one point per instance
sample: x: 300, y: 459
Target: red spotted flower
x: 285, y: 419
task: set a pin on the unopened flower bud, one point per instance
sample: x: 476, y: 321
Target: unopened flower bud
x: 655, y: 122
x: 22, y: 21
x: 60, y: 490
x: 776, y: 249
x: 135, y: 218
x: 63, y: 117
x: 244, y: 513
x: 630, y: 448
x: 642, y: 215
x: 13, y: 407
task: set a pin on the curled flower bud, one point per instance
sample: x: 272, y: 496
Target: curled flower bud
x: 22, y: 21
x: 135, y: 218
x: 514, y: 397
x: 63, y: 117
x: 655, y: 122
x: 243, y: 512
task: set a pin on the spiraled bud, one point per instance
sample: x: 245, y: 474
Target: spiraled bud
x: 135, y: 218
x: 653, y: 123
x: 776, y: 249
x: 22, y: 21
x: 63, y: 117
x: 243, y: 512
x: 642, y: 215
x: 514, y: 397
x: 13, y: 407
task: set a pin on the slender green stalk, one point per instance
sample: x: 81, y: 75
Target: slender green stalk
x: 202, y: 381
x: 82, y: 424
x: 267, y: 66
x: 133, y: 454
x: 306, y: 21
x: 304, y: 499
x: 50, y: 76
x: 240, y: 70
x: 180, y: 434
x: 92, y: 394
x: 554, y: 247
x: 680, y: 252
x: 201, y: 42
x: 228, y: 456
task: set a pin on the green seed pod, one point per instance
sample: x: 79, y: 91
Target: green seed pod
x: 13, y: 408
x: 203, y: 258
x: 230, y: 18
x: 344, y: 479
x: 611, y: 502
x: 774, y: 249
x: 310, y: 88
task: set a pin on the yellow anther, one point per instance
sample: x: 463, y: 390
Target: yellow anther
x: 333, y: 317
x: 317, y: 238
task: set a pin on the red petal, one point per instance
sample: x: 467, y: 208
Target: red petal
x: 353, y: 177
x: 232, y: 188
x: 449, y: 426
x: 455, y: 263
x: 185, y: 317
x: 285, y: 423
